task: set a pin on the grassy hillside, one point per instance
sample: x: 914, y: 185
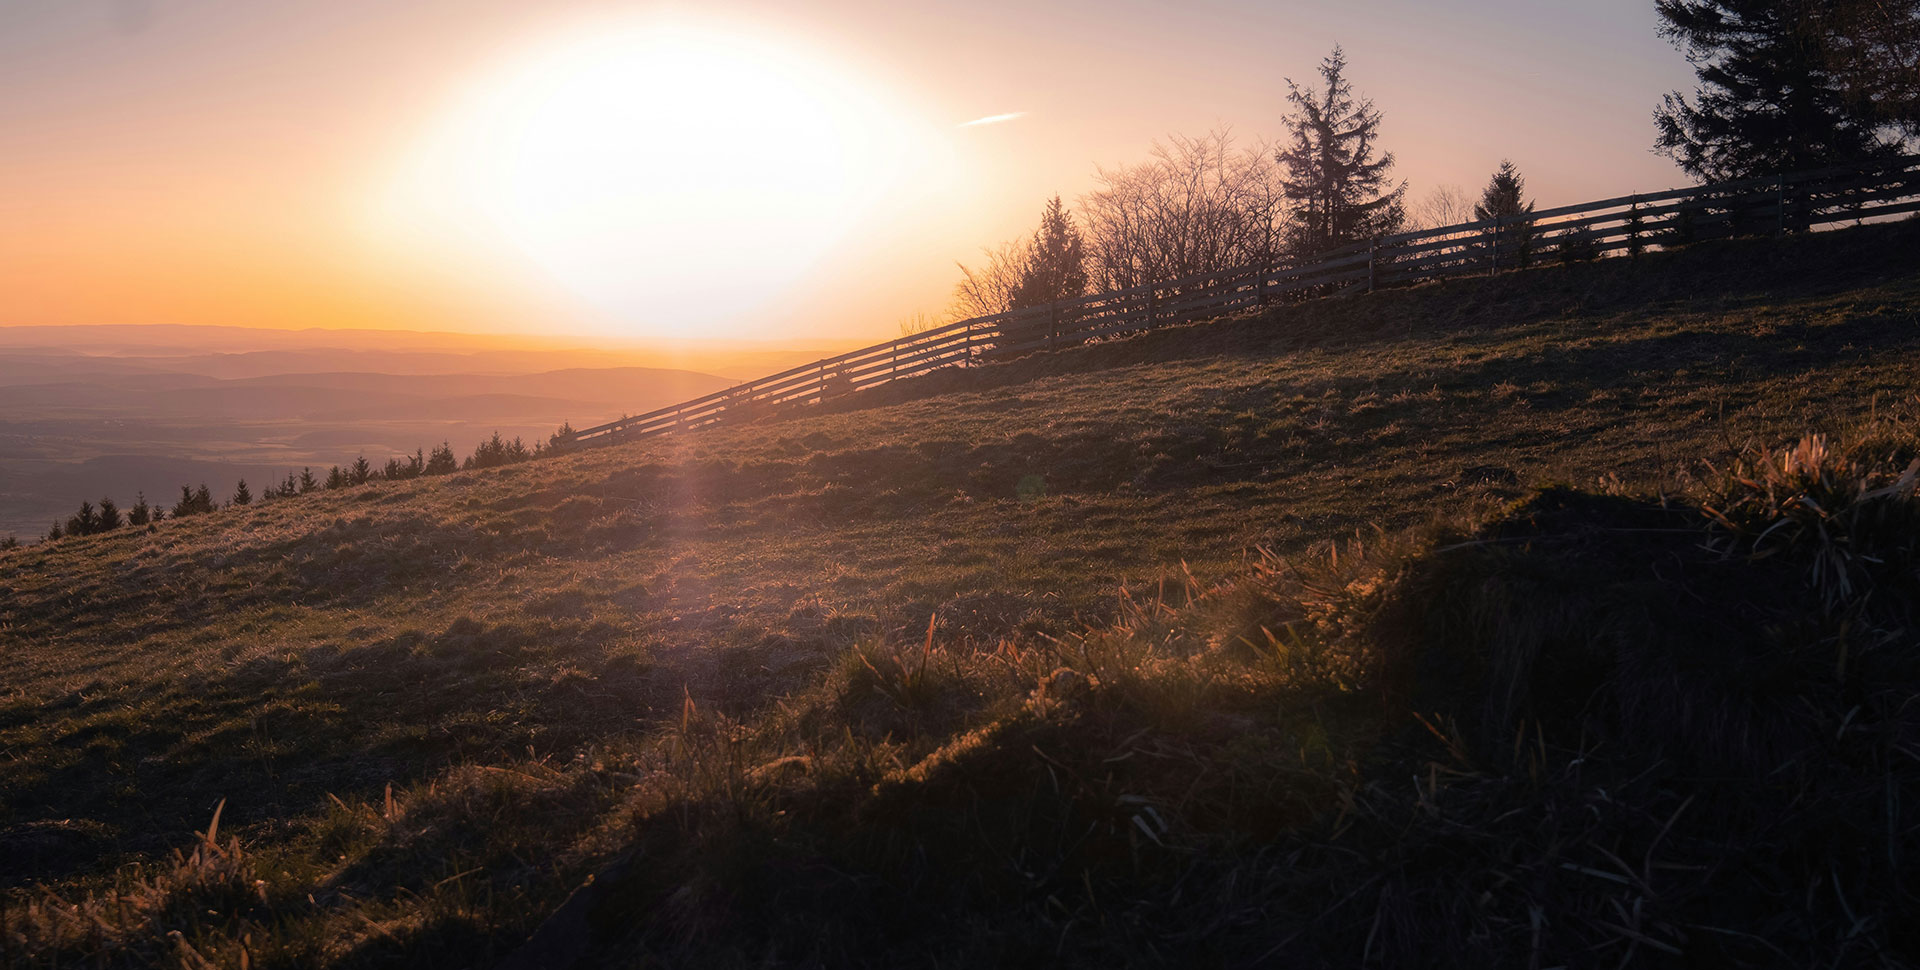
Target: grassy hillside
x: 1187, y: 593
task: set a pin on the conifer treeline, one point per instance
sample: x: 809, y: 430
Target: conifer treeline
x: 494, y: 452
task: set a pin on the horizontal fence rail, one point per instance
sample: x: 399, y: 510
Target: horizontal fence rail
x: 1799, y: 202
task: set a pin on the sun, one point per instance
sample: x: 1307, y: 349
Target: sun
x: 679, y: 178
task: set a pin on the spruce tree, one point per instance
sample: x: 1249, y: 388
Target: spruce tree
x: 110, y: 518
x: 1872, y: 50
x: 185, y: 506
x: 336, y: 478
x: 361, y: 472
x: 85, y: 522
x: 1504, y: 198
x: 242, y: 495
x: 442, y: 461
x: 1057, y: 263
x: 1769, y: 102
x: 55, y: 533
x: 203, y: 499
x: 491, y: 453
x: 141, y: 513
x: 1337, y: 182
x: 307, y: 482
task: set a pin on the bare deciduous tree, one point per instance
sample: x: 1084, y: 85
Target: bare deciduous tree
x: 1198, y: 205
x: 995, y: 286
x: 920, y: 321
x: 1444, y: 205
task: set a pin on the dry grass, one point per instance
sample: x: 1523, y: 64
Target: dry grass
x: 1158, y: 717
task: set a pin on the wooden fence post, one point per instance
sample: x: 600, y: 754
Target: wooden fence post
x: 1373, y: 249
x: 1493, y: 235
x: 1780, y: 202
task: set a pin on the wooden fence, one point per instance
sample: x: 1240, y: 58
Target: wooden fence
x: 1791, y: 203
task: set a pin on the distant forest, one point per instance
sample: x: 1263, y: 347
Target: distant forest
x: 107, y: 516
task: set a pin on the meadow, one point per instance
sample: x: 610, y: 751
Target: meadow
x: 1553, y: 618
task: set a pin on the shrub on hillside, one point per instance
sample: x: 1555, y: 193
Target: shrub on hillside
x: 1572, y: 247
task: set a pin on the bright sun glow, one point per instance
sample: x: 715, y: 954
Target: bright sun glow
x: 678, y: 178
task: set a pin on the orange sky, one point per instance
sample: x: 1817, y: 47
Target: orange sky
x: 238, y: 162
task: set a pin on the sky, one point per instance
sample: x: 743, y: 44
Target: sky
x: 792, y: 172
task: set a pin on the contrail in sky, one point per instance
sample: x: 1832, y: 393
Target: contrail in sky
x: 994, y: 119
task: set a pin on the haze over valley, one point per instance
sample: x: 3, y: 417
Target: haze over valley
x: 87, y: 412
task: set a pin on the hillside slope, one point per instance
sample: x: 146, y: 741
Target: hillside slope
x: 430, y: 708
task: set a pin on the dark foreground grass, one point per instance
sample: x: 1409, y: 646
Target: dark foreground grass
x: 1658, y: 714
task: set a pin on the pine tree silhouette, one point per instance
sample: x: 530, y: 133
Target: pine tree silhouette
x: 1769, y: 101
x: 1338, y: 185
x: 85, y: 522
x: 1057, y: 266
x: 1504, y: 199
x: 497, y: 451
